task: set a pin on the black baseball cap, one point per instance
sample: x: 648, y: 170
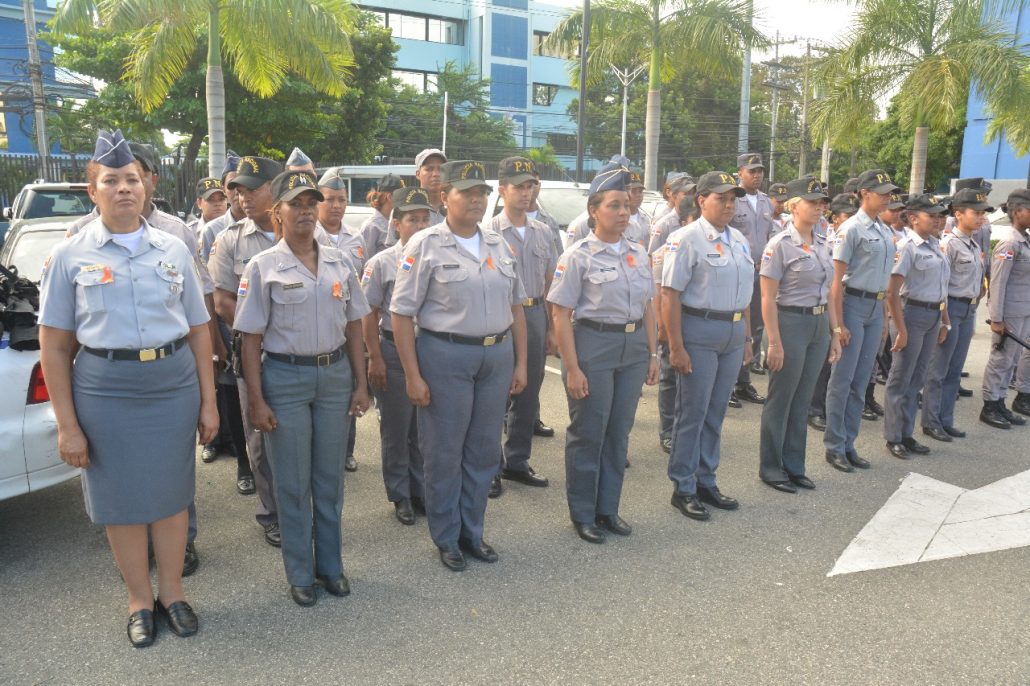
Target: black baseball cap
x: 208, y: 186
x: 407, y: 199
x: 750, y: 160
x: 636, y: 180
x: 718, y: 182
x: 924, y: 203
x: 517, y: 170
x: 778, y: 191
x: 464, y: 174
x: 288, y: 185
x: 971, y: 198
x: 147, y: 156
x: 254, y: 172
x: 851, y: 185
x: 1017, y: 198
x: 389, y: 183
x: 971, y: 182
x: 843, y: 202
x: 897, y: 202
x: 877, y: 181
x: 806, y: 188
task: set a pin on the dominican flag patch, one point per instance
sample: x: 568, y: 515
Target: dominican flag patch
x: 559, y: 271
x: 408, y: 263
x: 244, y: 285
x: 1007, y: 255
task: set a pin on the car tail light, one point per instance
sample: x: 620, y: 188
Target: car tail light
x: 37, y: 387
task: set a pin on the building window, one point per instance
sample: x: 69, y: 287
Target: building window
x: 540, y: 49
x: 544, y: 94
x: 422, y: 81
x: 563, y: 143
x: 421, y: 27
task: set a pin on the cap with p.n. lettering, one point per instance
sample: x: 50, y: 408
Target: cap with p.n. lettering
x: 924, y: 203
x: 877, y: 181
x: 516, y: 170
x: 778, y: 191
x: 208, y: 186
x: 718, y: 182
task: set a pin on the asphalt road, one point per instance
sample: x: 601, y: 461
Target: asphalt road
x: 743, y: 598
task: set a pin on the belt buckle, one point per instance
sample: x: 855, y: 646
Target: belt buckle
x: 818, y: 309
x: 148, y: 355
x: 881, y: 295
x: 326, y: 356
x: 737, y: 316
x: 529, y: 302
x: 631, y: 327
x: 490, y: 340
x: 941, y: 307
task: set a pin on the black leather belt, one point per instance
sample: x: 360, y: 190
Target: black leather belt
x: 628, y: 327
x: 533, y: 302
x: 968, y: 301
x: 144, y: 355
x: 797, y: 309
x: 323, y: 360
x: 387, y: 334
x: 868, y: 295
x: 713, y: 314
x: 492, y: 339
x: 925, y: 305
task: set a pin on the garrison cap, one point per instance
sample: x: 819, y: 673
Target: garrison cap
x: 778, y: 191
x: 718, y: 182
x: 972, y: 198
x: 421, y: 158
x: 297, y: 158
x: 851, y: 185
x: 750, y: 160
x: 289, y: 184
x: 112, y: 150
x: 208, y: 186
x: 333, y: 179
x: 1017, y: 198
x: 877, y: 181
x: 516, y: 170
x: 407, y: 199
x: 611, y: 177
x: 231, y: 162
x: 254, y: 172
x: 464, y: 174
x: 924, y: 203
x: 843, y: 202
x: 389, y: 183
x: 620, y: 159
x: 806, y: 188
x: 147, y: 156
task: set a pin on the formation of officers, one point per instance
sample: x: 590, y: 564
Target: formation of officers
x: 443, y: 319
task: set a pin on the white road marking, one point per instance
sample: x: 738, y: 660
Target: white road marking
x: 927, y: 519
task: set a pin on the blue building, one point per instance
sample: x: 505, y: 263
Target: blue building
x: 995, y: 160
x: 503, y: 41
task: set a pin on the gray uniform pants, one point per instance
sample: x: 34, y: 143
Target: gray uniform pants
x: 757, y: 329
x: 716, y: 350
x: 597, y: 440
x: 945, y: 373
x: 266, y: 508
x: 1002, y: 363
x: 666, y: 393
x: 908, y: 372
x: 398, y: 432
x: 845, y: 394
x: 524, y: 408
x: 460, y: 432
x: 784, y: 433
x: 306, y: 453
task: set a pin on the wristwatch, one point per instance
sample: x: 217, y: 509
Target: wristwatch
x: 836, y: 330
x: 947, y: 326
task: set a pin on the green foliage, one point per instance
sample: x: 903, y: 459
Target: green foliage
x: 888, y: 145
x: 544, y: 156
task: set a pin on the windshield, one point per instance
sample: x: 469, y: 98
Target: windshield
x: 29, y: 251
x: 564, y: 204
x: 66, y: 203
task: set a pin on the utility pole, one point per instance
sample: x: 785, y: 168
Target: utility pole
x: 824, y: 175
x: 745, y: 91
x: 803, y: 155
x: 582, y: 128
x: 776, y: 87
x: 38, y: 99
x: 443, y: 146
x: 626, y: 77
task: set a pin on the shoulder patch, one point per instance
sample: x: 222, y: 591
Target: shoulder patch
x: 559, y: 271
x: 408, y: 263
x: 367, y: 275
x: 244, y: 285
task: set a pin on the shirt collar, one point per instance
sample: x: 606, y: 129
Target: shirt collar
x: 714, y: 234
x: 596, y: 245
x: 101, y: 235
x: 285, y: 259
x: 795, y: 235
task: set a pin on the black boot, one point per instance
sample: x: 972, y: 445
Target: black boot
x: 870, y: 401
x: 1022, y: 404
x: 1013, y: 419
x: 992, y: 416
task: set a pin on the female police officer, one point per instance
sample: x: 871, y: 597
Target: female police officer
x: 398, y: 429
x: 300, y: 302
x: 459, y: 283
x: 375, y: 230
x: 131, y: 298
x: 604, y: 282
x: 707, y: 283
x: 796, y: 273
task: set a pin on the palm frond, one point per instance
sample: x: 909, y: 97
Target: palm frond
x: 162, y: 52
x: 74, y: 16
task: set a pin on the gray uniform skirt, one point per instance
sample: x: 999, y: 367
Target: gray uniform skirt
x: 140, y: 419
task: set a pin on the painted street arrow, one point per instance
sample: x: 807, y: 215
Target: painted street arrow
x: 927, y: 519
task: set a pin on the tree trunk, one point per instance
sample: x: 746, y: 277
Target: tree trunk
x: 917, y: 179
x: 215, y: 97
x: 654, y: 104
x: 853, y: 165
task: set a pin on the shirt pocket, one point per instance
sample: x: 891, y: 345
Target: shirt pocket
x: 171, y: 284
x: 801, y: 264
x: 600, y: 277
x: 91, y: 286
x: 287, y: 305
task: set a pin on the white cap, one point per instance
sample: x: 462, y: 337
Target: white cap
x: 421, y: 158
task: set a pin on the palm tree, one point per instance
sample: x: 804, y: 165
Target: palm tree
x: 666, y: 35
x: 263, y: 41
x: 928, y: 52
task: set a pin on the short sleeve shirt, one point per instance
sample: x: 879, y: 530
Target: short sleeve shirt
x: 711, y: 269
x: 967, y: 265
x: 867, y: 247
x: 804, y: 271
x: 378, y: 279
x: 233, y: 250
x: 924, y: 267
x: 373, y: 233
x: 535, y: 258
x: 603, y: 283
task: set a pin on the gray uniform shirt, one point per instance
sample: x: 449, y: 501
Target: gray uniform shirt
x: 115, y: 299
x: 447, y: 289
x: 603, y: 283
x: 804, y: 271
x: 756, y: 224
x: 434, y: 219
x: 661, y: 230
x: 535, y: 257
x: 867, y: 247
x: 967, y: 265
x: 352, y: 245
x: 374, y: 231
x: 924, y: 267
x: 711, y: 269
x: 232, y: 250
x: 378, y: 279
x: 212, y: 230
x: 638, y: 230
x: 297, y: 312
x: 1010, y: 277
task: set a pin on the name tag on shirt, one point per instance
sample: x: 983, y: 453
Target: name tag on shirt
x: 289, y: 286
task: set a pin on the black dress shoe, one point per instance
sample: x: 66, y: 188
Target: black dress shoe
x: 590, y: 533
x: 802, y: 481
x: 273, y: 536
x: 479, y: 550
x: 954, y: 433
x: 691, y: 507
x: 615, y: 524
x: 666, y: 444
x: 899, y: 451
x: 180, y: 617
x: 245, y: 484
x: 784, y: 486
x: 528, y: 477
x: 711, y: 496
x: 964, y: 375
x: 937, y: 434
x: 965, y: 392
x: 757, y: 368
x: 209, y: 454
x: 747, y: 392
x: 190, y: 562
x: 817, y: 422
x: 141, y: 629
x: 350, y: 464
x: 453, y: 559
x: 418, y: 505
x: 869, y: 415
x: 855, y: 460
x: 496, y: 488
x: 915, y: 446
x: 991, y: 416
x: 542, y: 430
x: 338, y: 587
x: 403, y: 512
x: 839, y: 461
x: 733, y: 402
x: 303, y: 595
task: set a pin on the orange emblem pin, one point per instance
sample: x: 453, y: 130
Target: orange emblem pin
x: 489, y: 262
x: 337, y: 289
x: 630, y: 260
x: 108, y: 276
